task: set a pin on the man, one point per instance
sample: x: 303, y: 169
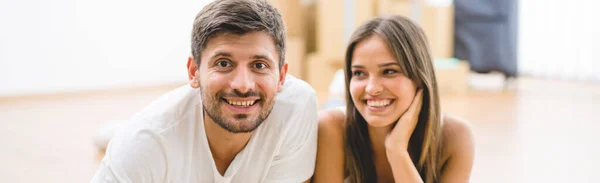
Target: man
x: 239, y: 120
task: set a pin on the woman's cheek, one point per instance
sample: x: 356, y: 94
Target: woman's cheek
x: 355, y: 90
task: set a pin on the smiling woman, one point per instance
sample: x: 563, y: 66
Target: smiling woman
x: 392, y: 129
x: 374, y: 68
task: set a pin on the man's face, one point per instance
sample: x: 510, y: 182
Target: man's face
x: 239, y: 76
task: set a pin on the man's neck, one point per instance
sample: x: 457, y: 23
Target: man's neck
x: 223, y: 144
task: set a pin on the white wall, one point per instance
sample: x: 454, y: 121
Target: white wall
x: 559, y: 39
x: 74, y: 45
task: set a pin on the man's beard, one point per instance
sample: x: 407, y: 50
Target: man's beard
x: 237, y: 123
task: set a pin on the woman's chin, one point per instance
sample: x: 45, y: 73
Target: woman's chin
x: 379, y: 122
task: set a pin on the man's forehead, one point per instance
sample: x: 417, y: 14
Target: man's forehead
x: 243, y: 46
x: 252, y: 38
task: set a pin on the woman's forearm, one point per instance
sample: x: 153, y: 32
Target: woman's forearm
x: 403, y: 168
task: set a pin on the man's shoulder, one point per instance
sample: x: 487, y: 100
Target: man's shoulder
x: 151, y: 140
x: 296, y: 91
x: 164, y: 118
x: 295, y: 107
x: 296, y: 99
x: 135, y: 153
x: 169, y: 107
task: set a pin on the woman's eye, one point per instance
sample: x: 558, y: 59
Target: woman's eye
x: 357, y: 73
x: 389, y: 71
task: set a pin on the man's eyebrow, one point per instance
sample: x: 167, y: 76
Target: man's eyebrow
x: 221, y: 54
x: 263, y: 57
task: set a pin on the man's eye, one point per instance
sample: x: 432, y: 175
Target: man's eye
x: 260, y: 65
x: 223, y: 63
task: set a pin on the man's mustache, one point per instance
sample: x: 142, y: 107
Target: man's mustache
x: 239, y: 94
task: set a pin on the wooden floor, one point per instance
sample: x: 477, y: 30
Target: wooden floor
x: 534, y: 131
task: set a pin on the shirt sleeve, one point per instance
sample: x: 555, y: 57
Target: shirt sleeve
x: 133, y: 156
x: 296, y: 160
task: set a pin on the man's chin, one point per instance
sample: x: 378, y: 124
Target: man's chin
x: 240, y: 126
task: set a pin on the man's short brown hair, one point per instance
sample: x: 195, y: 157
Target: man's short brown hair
x: 237, y: 17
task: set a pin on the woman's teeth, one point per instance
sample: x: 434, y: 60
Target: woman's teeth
x: 378, y: 103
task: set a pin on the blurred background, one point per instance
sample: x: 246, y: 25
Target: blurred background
x: 525, y: 74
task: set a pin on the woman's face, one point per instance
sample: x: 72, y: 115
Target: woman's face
x: 379, y: 89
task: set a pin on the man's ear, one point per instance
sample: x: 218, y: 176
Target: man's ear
x: 192, y: 69
x: 282, y: 74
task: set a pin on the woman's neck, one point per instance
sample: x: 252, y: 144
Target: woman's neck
x: 378, y: 135
x: 380, y: 160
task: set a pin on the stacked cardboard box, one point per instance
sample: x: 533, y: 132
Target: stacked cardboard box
x: 330, y: 28
x: 294, y: 56
x: 452, y: 76
x: 321, y: 70
x: 336, y: 20
x: 436, y: 20
x: 293, y: 13
x: 395, y: 7
x: 438, y: 24
x: 334, y: 24
x: 328, y: 25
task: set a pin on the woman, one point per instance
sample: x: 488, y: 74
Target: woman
x: 392, y: 129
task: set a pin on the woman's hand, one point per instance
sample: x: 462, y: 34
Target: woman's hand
x: 397, y: 140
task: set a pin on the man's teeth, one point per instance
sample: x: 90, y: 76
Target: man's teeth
x: 378, y: 103
x: 241, y: 103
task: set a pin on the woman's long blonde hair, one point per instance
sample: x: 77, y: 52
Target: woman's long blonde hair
x: 410, y: 48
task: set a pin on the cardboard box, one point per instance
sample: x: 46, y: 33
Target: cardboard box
x: 320, y: 71
x: 335, y: 23
x: 330, y: 28
x: 292, y: 14
x: 452, y: 76
x: 394, y: 7
x: 294, y: 56
x: 436, y: 20
x: 310, y: 24
x: 363, y: 11
x: 438, y: 24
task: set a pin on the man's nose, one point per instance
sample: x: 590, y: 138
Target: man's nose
x: 243, y: 80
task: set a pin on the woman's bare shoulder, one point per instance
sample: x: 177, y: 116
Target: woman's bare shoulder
x: 332, y: 120
x: 458, y: 150
x: 457, y: 136
x: 330, y: 150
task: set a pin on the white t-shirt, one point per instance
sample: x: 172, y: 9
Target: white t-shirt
x: 166, y: 142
